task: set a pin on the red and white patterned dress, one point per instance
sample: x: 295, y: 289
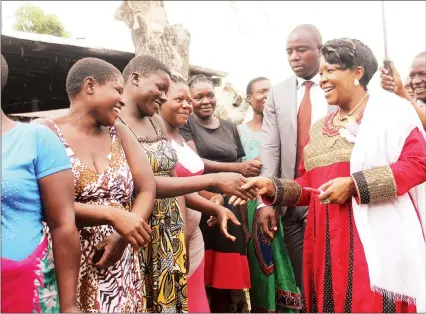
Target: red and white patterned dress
x: 335, y: 270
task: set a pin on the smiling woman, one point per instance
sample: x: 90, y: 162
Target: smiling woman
x: 147, y: 85
x: 105, y: 183
x: 175, y: 112
x: 372, y: 183
x: 147, y: 80
x: 218, y: 140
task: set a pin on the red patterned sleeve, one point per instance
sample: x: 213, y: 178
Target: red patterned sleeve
x: 385, y: 182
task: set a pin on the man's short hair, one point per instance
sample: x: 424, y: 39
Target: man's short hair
x: 311, y: 29
x: 421, y: 55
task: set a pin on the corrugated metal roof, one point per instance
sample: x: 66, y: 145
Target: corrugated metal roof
x: 84, y: 43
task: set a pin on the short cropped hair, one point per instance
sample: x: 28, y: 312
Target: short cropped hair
x: 178, y: 79
x: 311, y: 29
x: 421, y: 55
x: 199, y: 78
x: 249, y: 89
x: 4, y: 72
x: 349, y: 54
x: 145, y: 65
x: 100, y: 70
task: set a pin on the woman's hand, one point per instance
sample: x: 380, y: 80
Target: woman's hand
x: 337, y: 191
x: 262, y: 186
x: 212, y: 221
x: 131, y: 227
x: 114, y: 246
x: 222, y: 217
x: 230, y: 183
x: 250, y: 168
x: 217, y: 199
x: 267, y: 221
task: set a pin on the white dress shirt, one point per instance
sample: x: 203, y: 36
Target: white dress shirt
x: 318, y: 101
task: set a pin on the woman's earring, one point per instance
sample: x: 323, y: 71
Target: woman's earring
x: 356, y: 82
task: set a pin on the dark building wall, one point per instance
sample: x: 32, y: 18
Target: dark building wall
x: 38, y: 70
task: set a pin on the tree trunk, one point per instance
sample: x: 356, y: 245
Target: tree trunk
x: 230, y: 105
x: 153, y: 35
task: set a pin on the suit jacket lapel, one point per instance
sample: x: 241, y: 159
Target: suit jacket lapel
x: 286, y: 100
x: 291, y: 89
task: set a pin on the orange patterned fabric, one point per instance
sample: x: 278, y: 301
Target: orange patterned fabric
x: 119, y: 289
x: 165, y: 257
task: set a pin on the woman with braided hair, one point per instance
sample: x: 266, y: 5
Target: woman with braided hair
x: 218, y: 143
x: 146, y: 84
x: 362, y: 175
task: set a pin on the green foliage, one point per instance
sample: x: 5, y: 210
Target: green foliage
x: 32, y: 19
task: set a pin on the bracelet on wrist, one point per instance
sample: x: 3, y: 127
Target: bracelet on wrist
x: 261, y: 205
x: 279, y: 191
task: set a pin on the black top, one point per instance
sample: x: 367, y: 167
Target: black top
x: 222, y: 144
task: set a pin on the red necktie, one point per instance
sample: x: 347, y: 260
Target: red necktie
x: 303, y: 124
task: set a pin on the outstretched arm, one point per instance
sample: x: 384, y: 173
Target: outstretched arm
x: 249, y: 168
x: 282, y: 192
x: 228, y: 183
x: 292, y: 193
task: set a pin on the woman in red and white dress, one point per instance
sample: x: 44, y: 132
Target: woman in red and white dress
x: 175, y: 112
x: 364, y: 246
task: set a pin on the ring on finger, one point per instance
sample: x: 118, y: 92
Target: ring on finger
x: 325, y: 201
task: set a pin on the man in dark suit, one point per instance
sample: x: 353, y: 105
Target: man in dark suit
x: 293, y: 105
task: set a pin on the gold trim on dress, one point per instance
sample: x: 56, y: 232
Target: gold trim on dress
x: 292, y: 193
x: 324, y: 149
x: 375, y: 185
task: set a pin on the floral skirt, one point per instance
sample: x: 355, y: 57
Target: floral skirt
x: 165, y: 260
x: 29, y: 286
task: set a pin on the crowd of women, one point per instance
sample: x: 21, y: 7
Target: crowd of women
x: 137, y: 199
